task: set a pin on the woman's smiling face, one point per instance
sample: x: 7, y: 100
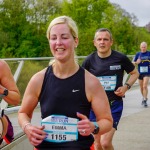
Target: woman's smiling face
x: 62, y: 43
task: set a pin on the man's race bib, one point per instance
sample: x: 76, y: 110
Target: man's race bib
x: 143, y: 69
x: 60, y: 128
x: 108, y: 82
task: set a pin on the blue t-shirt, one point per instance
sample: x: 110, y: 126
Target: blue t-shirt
x: 144, y: 65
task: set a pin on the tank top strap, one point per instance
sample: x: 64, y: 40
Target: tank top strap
x: 48, y: 70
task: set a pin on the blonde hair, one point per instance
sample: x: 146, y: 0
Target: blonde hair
x: 63, y: 20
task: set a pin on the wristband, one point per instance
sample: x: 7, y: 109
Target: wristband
x: 25, y: 125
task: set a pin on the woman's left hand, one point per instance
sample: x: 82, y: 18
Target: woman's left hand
x: 85, y: 126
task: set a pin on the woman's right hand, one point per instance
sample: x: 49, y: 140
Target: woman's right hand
x: 35, y: 134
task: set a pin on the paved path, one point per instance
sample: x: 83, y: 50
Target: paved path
x: 134, y: 128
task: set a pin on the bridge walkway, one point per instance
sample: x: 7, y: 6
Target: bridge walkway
x: 134, y: 128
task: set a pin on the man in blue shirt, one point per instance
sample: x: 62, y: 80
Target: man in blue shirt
x: 142, y: 59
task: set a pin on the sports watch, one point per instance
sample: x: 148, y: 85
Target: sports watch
x: 96, y: 130
x: 5, y: 92
x: 128, y: 85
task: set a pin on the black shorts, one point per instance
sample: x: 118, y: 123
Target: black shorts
x: 141, y: 76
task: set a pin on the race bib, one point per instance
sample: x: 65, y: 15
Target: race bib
x: 143, y: 69
x: 60, y: 128
x: 108, y: 82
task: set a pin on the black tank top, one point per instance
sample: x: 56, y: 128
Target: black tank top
x: 65, y: 97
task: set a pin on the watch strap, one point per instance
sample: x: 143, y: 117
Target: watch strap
x: 128, y: 85
x: 96, y: 129
x: 5, y: 93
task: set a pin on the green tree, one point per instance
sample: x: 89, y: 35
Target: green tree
x: 11, y: 15
x: 122, y: 26
x: 23, y: 27
x: 88, y: 15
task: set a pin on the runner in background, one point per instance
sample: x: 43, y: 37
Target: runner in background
x: 9, y: 93
x: 108, y: 66
x: 142, y: 59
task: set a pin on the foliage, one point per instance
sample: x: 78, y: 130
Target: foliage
x: 28, y: 70
x: 88, y: 15
x: 23, y: 26
x: 121, y: 25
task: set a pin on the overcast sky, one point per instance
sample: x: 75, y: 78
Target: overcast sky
x: 140, y: 8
